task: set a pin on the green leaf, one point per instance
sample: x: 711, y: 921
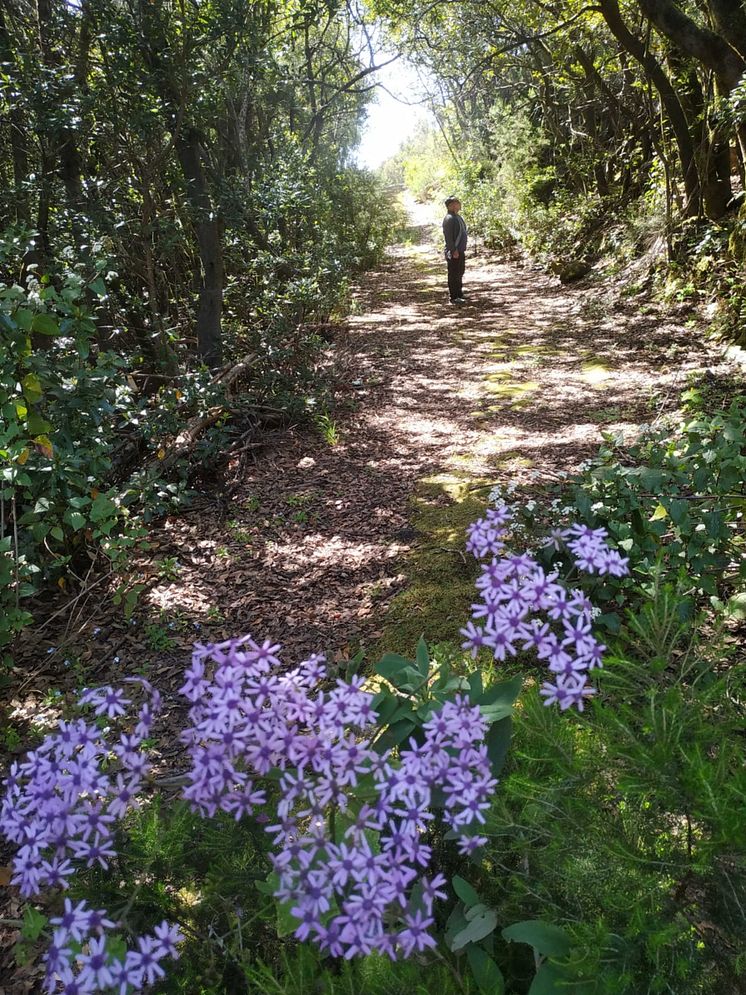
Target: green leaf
x: 486, y: 973
x: 286, y: 921
x: 74, y: 519
x: 549, y: 980
x: 659, y: 513
x: 395, y: 734
x: 465, y: 891
x: 37, y: 425
x: 399, y: 671
x: 476, y: 685
x: 481, y: 921
x: 32, y: 389
x: 45, y: 324
x: 102, y: 508
x: 58, y: 534
x: 455, y: 924
x: 270, y: 884
x: 497, y: 701
x: 23, y: 318
x: 498, y: 743
x: 548, y: 939
x: 423, y: 657
x: 33, y: 923
x: 679, y: 511
x: 736, y: 606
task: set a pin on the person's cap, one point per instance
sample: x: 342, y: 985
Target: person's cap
x: 450, y: 200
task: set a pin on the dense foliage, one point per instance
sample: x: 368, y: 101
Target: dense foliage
x: 176, y: 194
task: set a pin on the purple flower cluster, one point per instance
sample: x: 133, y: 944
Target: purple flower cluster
x: 525, y: 608
x: 351, y: 820
x: 61, y: 804
x: 78, y: 963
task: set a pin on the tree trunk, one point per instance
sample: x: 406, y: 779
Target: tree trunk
x: 208, y: 226
x: 704, y: 45
x: 669, y: 98
x: 209, y: 230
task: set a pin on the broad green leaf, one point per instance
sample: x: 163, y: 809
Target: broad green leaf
x: 399, y: 671
x: 32, y: 389
x: 45, y: 324
x: 504, y: 692
x: 482, y: 922
x: 659, y: 513
x: 498, y: 743
x: 464, y: 891
x: 551, y: 980
x: 23, y: 318
x: 74, y: 519
x: 476, y: 685
x: 37, y: 425
x: 102, y: 508
x: 455, y: 924
x: 548, y: 939
x: 395, y: 734
x: 736, y: 606
x: 486, y: 973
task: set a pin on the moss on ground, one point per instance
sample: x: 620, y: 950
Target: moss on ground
x: 440, y: 575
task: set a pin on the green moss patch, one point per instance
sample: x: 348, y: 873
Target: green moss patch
x: 441, y: 576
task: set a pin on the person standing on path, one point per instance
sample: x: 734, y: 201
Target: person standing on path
x: 456, y: 236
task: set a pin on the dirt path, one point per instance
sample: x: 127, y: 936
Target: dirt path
x: 437, y: 401
x: 354, y: 539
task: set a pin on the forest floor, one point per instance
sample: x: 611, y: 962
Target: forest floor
x: 352, y: 538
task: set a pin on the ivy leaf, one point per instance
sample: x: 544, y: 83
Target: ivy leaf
x: 74, y: 519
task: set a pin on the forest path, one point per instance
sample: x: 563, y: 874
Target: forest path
x: 437, y: 403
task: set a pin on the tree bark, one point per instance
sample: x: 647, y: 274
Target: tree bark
x: 704, y: 45
x: 669, y: 99
x: 208, y: 226
x: 209, y: 231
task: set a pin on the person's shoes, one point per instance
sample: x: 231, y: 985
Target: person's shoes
x: 458, y: 300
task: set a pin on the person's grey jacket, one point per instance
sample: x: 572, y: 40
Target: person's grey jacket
x: 454, y: 232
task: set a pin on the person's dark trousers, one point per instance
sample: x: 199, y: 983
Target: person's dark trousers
x: 456, y: 269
